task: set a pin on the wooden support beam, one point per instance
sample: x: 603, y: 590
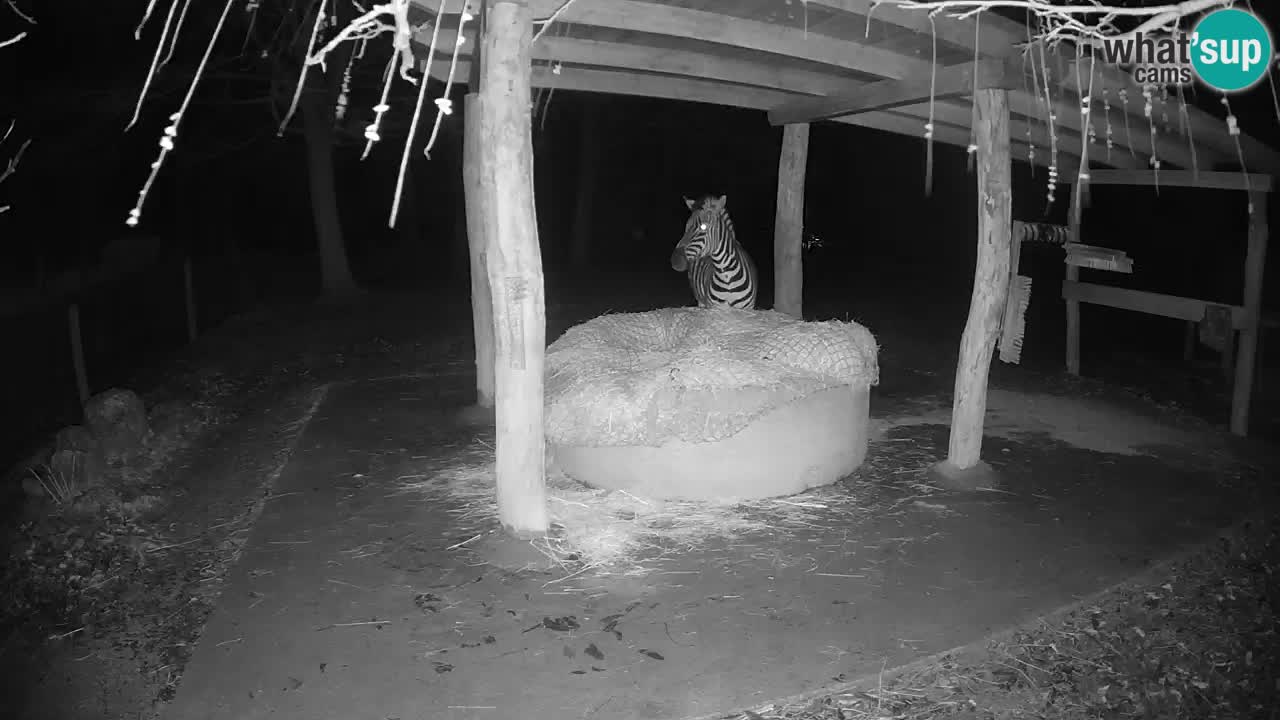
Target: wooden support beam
x: 1183, y: 178
x: 1254, y: 264
x: 788, y: 269
x: 474, y: 184
x: 513, y: 263
x: 1151, y: 303
x: 950, y: 82
x: 990, y: 281
x: 1073, y: 276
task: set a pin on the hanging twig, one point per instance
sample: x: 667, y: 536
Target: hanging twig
x: 167, y: 141
x: 155, y: 60
x: 302, y: 75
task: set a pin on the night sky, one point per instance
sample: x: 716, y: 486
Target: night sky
x: 235, y: 195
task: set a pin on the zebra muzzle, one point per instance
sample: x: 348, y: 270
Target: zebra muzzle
x: 678, y: 261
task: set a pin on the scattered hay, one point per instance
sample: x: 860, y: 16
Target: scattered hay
x: 617, y: 532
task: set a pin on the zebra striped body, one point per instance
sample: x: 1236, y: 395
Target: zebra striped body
x: 721, y: 274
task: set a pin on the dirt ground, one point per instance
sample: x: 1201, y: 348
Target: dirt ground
x: 278, y: 570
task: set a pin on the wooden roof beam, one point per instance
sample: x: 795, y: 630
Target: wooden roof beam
x: 1183, y: 178
x: 697, y: 26
x: 1213, y: 143
x: 678, y: 88
x: 628, y: 56
x: 702, y: 66
x: 996, y: 36
x: 949, y: 82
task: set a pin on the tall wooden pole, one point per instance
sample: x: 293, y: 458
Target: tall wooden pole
x: 1074, y: 214
x: 990, y: 279
x: 788, y: 230
x: 479, y: 235
x: 514, y: 265
x: 1254, y: 263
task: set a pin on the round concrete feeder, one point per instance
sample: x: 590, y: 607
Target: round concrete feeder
x: 807, y: 443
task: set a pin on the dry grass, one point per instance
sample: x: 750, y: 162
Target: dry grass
x: 618, y: 533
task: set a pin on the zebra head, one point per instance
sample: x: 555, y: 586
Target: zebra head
x: 705, y: 232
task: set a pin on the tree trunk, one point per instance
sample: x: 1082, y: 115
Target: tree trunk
x: 1254, y: 267
x: 788, y: 270
x: 588, y: 174
x: 318, y: 106
x: 335, y: 272
x: 514, y: 266
x: 990, y: 279
x: 477, y: 184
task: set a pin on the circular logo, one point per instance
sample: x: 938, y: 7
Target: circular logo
x: 1231, y: 49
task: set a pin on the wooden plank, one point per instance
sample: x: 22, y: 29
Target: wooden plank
x: 788, y: 270
x: 1183, y: 178
x: 688, y: 63
x: 776, y: 76
x: 695, y: 90
x: 990, y: 281
x: 950, y: 82
x: 513, y: 263
x: 698, y: 26
x: 1151, y: 303
x: 1254, y: 266
x: 996, y: 36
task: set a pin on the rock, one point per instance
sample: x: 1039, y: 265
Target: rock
x: 172, y: 418
x: 118, y: 419
x: 76, y: 437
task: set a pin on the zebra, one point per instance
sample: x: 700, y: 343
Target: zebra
x: 721, y: 273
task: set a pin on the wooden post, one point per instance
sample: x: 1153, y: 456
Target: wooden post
x: 77, y: 353
x: 1255, y: 261
x: 788, y: 229
x: 476, y: 185
x: 990, y: 280
x: 514, y: 265
x: 1074, y: 214
x: 189, y: 297
x: 1189, y: 341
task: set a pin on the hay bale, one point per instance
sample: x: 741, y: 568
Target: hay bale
x: 709, y: 404
x: 693, y: 374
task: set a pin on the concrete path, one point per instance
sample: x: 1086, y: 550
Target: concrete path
x: 347, y: 604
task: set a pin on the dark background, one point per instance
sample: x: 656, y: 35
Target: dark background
x: 234, y: 198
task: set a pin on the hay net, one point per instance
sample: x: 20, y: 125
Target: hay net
x: 693, y: 374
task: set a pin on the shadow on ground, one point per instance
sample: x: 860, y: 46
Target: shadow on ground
x: 354, y: 600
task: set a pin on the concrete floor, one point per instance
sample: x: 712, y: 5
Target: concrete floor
x: 346, y: 603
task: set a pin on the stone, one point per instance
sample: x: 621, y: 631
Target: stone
x: 118, y: 419
x: 76, y: 438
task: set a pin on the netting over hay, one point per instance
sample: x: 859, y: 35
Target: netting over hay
x: 693, y: 374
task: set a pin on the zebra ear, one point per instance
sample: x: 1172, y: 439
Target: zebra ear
x: 690, y: 202
x: 718, y: 203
